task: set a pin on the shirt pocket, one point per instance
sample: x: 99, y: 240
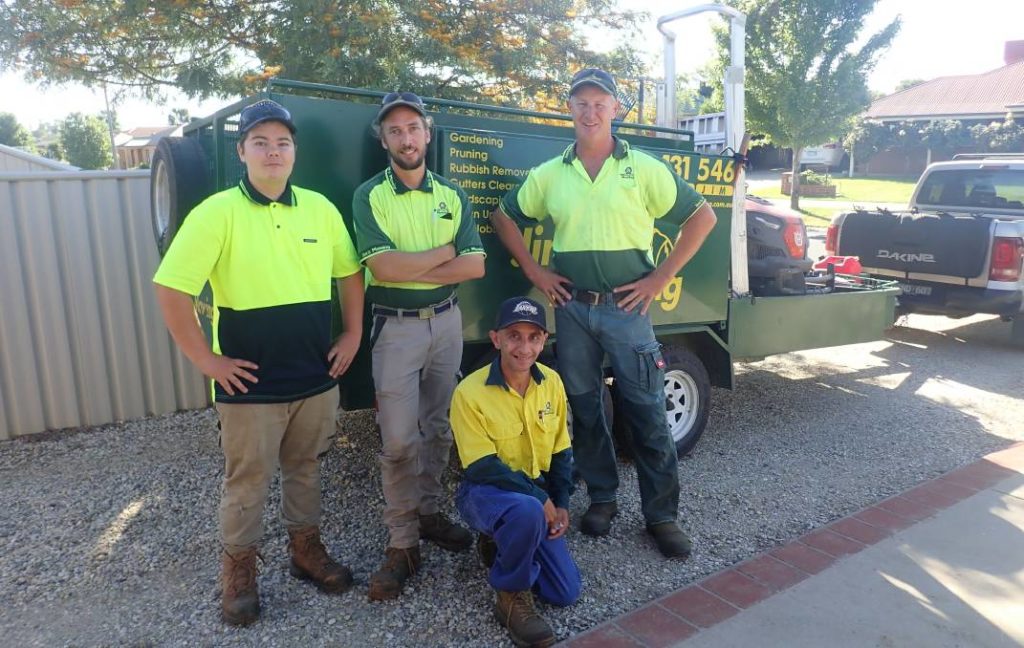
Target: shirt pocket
x: 507, y: 438
x: 314, y: 252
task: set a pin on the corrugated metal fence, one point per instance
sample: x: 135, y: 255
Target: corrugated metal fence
x: 81, y: 337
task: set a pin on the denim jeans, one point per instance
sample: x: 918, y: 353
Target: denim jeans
x: 585, y: 334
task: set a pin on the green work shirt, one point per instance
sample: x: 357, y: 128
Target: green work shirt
x: 603, y: 227
x: 270, y: 264
x: 390, y: 216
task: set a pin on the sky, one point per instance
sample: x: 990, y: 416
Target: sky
x: 936, y: 39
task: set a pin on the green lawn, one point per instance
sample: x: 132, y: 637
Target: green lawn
x: 866, y: 190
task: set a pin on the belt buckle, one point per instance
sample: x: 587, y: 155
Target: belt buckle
x: 426, y: 313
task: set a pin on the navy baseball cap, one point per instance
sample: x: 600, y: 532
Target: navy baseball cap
x: 263, y: 111
x: 520, y: 309
x: 595, y: 77
x: 393, y: 100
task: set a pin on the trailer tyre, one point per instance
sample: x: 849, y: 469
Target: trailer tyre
x: 177, y: 184
x: 687, y: 402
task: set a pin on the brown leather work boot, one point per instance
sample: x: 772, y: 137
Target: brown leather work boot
x: 399, y: 564
x: 515, y: 611
x: 240, y: 596
x: 311, y: 562
x: 444, y: 533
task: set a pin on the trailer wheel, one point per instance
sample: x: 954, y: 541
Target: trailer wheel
x: 687, y: 402
x: 177, y: 184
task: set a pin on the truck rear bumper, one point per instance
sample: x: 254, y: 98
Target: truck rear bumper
x: 942, y: 299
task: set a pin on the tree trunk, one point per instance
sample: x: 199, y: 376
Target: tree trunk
x: 794, y: 192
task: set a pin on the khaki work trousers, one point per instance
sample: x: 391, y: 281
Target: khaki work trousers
x: 415, y: 362
x: 257, y: 438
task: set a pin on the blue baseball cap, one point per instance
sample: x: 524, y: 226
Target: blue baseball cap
x: 263, y: 111
x: 595, y: 77
x: 520, y: 309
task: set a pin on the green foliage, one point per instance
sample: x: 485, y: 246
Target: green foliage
x: 811, y: 177
x: 12, y: 133
x: 944, y: 137
x: 501, y: 51
x: 54, y: 151
x: 85, y: 141
x: 908, y: 83
x: 178, y: 116
x: 806, y: 68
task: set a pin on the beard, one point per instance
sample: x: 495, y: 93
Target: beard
x: 408, y: 166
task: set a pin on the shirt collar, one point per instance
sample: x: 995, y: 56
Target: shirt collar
x: 253, y: 194
x: 399, y: 187
x: 620, y: 151
x: 497, y: 379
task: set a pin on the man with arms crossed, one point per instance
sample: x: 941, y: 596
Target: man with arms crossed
x: 603, y: 198
x: 269, y: 250
x: 509, y: 420
x: 415, y: 232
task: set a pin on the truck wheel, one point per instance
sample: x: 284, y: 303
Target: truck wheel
x: 687, y: 401
x: 177, y: 184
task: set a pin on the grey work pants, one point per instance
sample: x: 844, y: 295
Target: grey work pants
x: 415, y: 362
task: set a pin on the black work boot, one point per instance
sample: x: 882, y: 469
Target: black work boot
x: 399, y: 565
x: 487, y: 549
x: 597, y: 521
x: 515, y: 611
x: 239, y: 595
x: 445, y: 534
x: 311, y: 562
x: 671, y: 541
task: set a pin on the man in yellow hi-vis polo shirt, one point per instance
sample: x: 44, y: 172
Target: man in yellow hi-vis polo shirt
x: 269, y: 251
x: 509, y: 420
x: 415, y: 232
x: 603, y: 197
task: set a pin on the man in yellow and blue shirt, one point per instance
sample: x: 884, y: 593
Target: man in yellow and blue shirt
x: 415, y: 232
x: 509, y: 421
x: 603, y: 197
x: 269, y: 250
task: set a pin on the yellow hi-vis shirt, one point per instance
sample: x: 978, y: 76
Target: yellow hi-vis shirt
x: 490, y: 418
x: 270, y: 264
x: 604, y: 226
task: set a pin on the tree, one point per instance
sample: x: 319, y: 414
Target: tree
x: 495, y: 50
x: 12, y: 133
x: 85, y: 141
x: 907, y: 83
x: 806, y: 76
x: 178, y: 116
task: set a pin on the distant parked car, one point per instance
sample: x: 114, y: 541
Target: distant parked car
x: 829, y: 156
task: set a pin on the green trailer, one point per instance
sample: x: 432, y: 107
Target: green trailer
x: 704, y: 323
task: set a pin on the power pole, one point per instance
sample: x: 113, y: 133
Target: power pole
x: 110, y: 128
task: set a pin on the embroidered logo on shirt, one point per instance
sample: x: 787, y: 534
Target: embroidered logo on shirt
x: 627, y: 174
x: 547, y: 411
x: 442, y: 212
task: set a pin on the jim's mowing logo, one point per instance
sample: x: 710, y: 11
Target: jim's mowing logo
x: 661, y: 247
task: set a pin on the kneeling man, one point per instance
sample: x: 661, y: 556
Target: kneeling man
x: 509, y: 422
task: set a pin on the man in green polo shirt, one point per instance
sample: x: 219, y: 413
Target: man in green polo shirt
x: 603, y: 197
x: 269, y: 250
x: 415, y: 232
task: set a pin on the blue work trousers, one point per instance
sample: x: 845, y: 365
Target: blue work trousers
x: 585, y: 334
x: 526, y: 558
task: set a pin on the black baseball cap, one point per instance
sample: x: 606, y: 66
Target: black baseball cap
x: 520, y: 309
x: 263, y: 111
x: 595, y: 77
x: 393, y: 100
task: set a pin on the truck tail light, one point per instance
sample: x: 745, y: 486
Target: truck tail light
x: 796, y: 240
x: 1007, y: 254
x: 831, y: 238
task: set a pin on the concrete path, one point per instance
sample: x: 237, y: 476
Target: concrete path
x: 939, y: 565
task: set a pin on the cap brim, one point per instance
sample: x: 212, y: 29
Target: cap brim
x: 289, y: 125
x: 395, y: 104
x: 524, y: 320
x: 594, y: 82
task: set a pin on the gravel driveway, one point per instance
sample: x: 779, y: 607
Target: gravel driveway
x: 109, y: 536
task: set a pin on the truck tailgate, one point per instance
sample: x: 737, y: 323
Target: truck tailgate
x: 954, y: 246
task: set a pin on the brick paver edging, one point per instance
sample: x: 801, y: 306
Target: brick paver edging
x: 685, y: 612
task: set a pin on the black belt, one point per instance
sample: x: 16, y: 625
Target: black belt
x: 419, y: 313
x: 592, y: 298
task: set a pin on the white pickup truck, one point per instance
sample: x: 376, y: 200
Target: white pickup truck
x: 958, y: 250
